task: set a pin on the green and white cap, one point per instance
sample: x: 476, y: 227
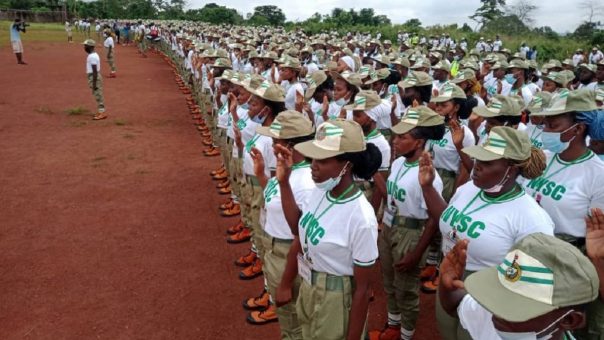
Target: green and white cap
x: 539, y: 274
x: 500, y: 64
x: 463, y: 75
x: 287, y: 125
x: 364, y: 100
x: 416, y: 79
x: 380, y: 74
x: 561, y: 78
x: 333, y: 138
x: 442, y: 65
x: 448, y: 92
x: 314, y: 80
x: 227, y: 75
x: 502, y: 142
x: 269, y: 91
x: 349, y: 77
x: 89, y: 42
x: 417, y: 116
x: 540, y: 101
x: 590, y: 67
x: 570, y: 101
x: 518, y: 63
x: 222, y: 63
x: 289, y: 62
x: 501, y: 105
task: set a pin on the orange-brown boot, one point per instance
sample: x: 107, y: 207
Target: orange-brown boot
x: 233, y: 211
x: 263, y: 317
x: 246, y: 260
x: 225, y: 191
x: 243, y: 236
x: 260, y: 302
x: 235, y: 229
x: 251, y: 272
x: 217, y: 171
x: 212, y: 152
x: 428, y: 272
x: 430, y: 286
x: 223, y: 184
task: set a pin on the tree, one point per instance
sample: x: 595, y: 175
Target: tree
x: 508, y: 23
x: 365, y: 17
x: 592, y: 8
x: 524, y: 10
x: 585, y: 31
x: 214, y: 14
x: 273, y: 15
x: 413, y: 25
x: 489, y: 10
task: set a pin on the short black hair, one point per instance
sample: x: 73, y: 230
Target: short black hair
x: 364, y: 163
x: 436, y: 132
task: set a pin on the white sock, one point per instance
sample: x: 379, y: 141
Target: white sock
x: 406, y: 335
x: 394, y: 319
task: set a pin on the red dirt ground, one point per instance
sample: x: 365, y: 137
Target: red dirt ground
x: 110, y: 229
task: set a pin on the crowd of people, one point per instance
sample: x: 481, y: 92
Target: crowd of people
x: 473, y: 173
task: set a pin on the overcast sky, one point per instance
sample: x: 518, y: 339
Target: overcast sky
x: 560, y: 15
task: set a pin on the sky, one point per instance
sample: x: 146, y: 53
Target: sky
x: 561, y: 15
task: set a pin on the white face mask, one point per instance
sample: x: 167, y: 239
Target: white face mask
x: 497, y: 187
x: 382, y: 91
x: 545, y: 334
x: 331, y: 183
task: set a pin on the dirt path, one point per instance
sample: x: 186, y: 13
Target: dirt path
x: 110, y: 229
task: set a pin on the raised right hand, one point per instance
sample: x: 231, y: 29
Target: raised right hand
x: 284, y: 163
x: 426, y: 170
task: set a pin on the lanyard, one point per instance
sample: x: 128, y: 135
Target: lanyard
x: 223, y: 109
x: 535, y: 130
x: 350, y: 187
x: 407, y: 166
x: 251, y: 142
x: 501, y: 198
x: 583, y: 157
x: 241, y: 123
x: 372, y: 134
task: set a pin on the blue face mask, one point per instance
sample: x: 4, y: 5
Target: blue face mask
x: 552, y: 141
x: 601, y: 157
x: 259, y: 120
x: 245, y: 106
x: 331, y: 183
x: 341, y: 102
x: 510, y: 78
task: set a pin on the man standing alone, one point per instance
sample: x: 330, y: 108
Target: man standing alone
x: 95, y: 82
x: 15, y: 39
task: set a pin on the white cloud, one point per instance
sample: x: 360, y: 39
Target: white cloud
x: 561, y: 15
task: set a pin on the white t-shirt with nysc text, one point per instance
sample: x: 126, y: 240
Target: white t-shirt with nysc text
x: 302, y: 185
x: 445, y: 154
x: 223, y: 112
x: 241, y: 125
x: 93, y: 59
x: 338, y: 235
x: 568, y: 190
x: 264, y: 144
x: 492, y: 225
x: 404, y: 192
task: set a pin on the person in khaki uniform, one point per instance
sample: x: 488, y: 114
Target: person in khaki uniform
x: 109, y: 44
x: 288, y: 129
x: 407, y: 230
x: 336, y: 244
x: 93, y: 69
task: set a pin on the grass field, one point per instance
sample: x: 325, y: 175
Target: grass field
x: 49, y: 32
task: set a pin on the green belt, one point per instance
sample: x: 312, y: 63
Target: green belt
x: 446, y: 173
x: 408, y: 222
x: 578, y: 242
x: 332, y: 282
x: 253, y: 180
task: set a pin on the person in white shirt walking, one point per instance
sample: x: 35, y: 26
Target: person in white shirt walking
x: 93, y: 69
x: 110, y: 46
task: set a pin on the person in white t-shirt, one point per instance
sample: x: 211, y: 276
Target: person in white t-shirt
x: 534, y: 128
x: 287, y: 130
x: 336, y: 244
x: 407, y: 231
x: 492, y: 211
x: 572, y: 182
x: 109, y: 44
x: 68, y: 30
x: 289, y: 72
x: 500, y: 111
x: 538, y: 291
x: 95, y: 81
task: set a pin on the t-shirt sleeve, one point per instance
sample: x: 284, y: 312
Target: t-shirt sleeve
x: 270, y: 161
x: 538, y: 221
x: 597, y: 199
x: 364, y: 241
x: 468, y: 137
x: 476, y: 320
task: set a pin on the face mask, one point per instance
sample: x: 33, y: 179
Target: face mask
x: 259, y: 120
x: 510, y: 78
x: 601, y: 157
x: 245, y: 105
x: 497, y: 187
x: 382, y: 91
x: 541, y: 335
x: 342, y: 101
x: 552, y: 142
x: 331, y: 183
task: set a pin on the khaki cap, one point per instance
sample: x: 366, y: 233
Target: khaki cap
x: 364, y: 100
x: 314, y: 81
x: 417, y: 116
x: 380, y: 74
x: 447, y: 92
x: 501, y: 64
x: 538, y: 275
x: 287, y: 125
x: 89, y: 42
x: 365, y: 70
x: 249, y: 81
x: 500, y: 105
x: 269, y: 91
x: 561, y: 78
x: 502, y: 142
x: 292, y: 63
x: 539, y: 102
x: 226, y: 75
x: 416, y: 79
x: 463, y: 75
x: 518, y: 63
x: 471, y: 64
x: 442, y: 65
x: 403, y: 61
x: 333, y: 138
x: 222, y: 63
x: 349, y: 77
x: 590, y: 67
x: 570, y: 101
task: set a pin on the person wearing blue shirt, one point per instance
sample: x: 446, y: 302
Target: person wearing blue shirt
x: 15, y: 39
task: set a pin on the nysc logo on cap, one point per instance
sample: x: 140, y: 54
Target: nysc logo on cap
x: 328, y: 135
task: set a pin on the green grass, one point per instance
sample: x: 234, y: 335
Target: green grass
x: 77, y: 111
x: 41, y: 32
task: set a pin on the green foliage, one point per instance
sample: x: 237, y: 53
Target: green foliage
x: 509, y: 24
x: 489, y: 10
x: 214, y: 14
x: 268, y: 15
